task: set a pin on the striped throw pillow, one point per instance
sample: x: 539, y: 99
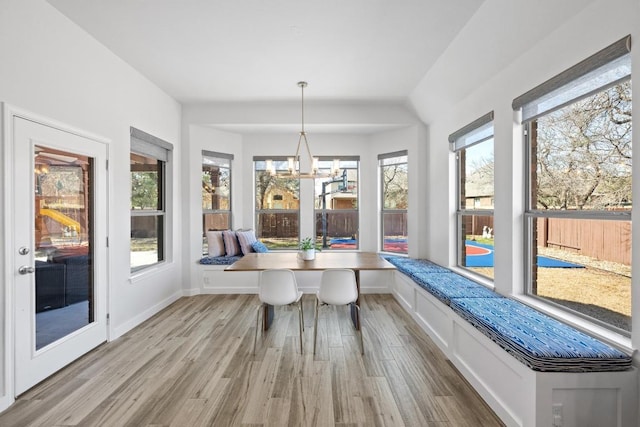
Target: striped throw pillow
x: 215, y: 243
x: 246, y: 239
x: 231, y: 245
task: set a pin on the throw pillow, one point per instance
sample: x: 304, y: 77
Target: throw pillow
x: 259, y: 247
x: 231, y: 245
x: 246, y: 239
x: 215, y: 243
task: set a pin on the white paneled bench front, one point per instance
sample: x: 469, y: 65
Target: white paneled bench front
x: 526, y: 365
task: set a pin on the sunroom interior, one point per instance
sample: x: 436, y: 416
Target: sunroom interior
x: 490, y: 190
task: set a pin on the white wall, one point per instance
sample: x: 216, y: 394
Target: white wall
x: 413, y: 139
x: 54, y: 69
x: 272, y: 129
x: 510, y: 61
x: 197, y: 138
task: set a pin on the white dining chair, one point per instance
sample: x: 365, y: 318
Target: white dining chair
x: 278, y: 287
x: 337, y: 287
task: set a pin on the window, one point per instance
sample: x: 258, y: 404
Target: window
x: 473, y: 145
x: 149, y: 158
x: 336, y: 203
x: 277, y: 204
x: 394, y: 188
x: 216, y: 193
x: 579, y: 181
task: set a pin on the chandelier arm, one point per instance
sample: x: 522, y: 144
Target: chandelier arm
x: 297, y: 156
x: 306, y: 143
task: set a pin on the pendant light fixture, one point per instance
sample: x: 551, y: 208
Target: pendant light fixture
x: 295, y: 166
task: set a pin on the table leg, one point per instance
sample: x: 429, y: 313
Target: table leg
x: 267, y: 316
x: 355, y: 314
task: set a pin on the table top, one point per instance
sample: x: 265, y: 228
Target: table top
x: 322, y: 261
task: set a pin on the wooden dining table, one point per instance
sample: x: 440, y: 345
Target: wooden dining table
x: 356, y: 261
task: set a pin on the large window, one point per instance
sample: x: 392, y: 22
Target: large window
x: 149, y: 157
x: 216, y: 193
x: 394, y: 188
x: 336, y: 203
x: 473, y: 145
x: 277, y: 203
x: 579, y: 200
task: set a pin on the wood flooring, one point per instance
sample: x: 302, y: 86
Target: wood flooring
x: 192, y: 365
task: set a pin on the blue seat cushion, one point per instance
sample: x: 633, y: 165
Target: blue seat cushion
x: 410, y: 266
x: 446, y: 286
x: 537, y: 340
x: 219, y: 260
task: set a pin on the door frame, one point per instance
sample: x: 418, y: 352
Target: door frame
x: 9, y: 112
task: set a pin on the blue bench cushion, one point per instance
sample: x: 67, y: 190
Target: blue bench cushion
x: 410, y: 266
x: 219, y: 260
x: 537, y: 340
x: 446, y: 286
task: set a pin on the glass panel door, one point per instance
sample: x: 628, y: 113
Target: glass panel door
x: 63, y: 243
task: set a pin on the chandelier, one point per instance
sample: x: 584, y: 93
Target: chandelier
x: 294, y: 164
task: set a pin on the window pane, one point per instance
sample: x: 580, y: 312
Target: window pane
x: 582, y: 154
x: 395, y: 202
x: 145, y: 183
x: 476, y: 248
x: 581, y: 159
x: 476, y: 176
x: 277, y: 206
x: 216, y: 187
x: 146, y: 240
x: 336, y: 204
x: 216, y: 196
x: 216, y: 221
x: 394, y: 232
x: 278, y: 230
x: 584, y: 265
x: 337, y: 229
x: 395, y: 185
x: 276, y: 192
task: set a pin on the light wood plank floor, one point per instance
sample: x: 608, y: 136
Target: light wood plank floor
x: 192, y: 365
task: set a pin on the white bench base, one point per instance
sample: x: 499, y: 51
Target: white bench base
x: 519, y: 395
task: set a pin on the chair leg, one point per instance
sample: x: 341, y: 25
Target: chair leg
x: 300, y: 325
x: 255, y: 338
x: 360, y: 317
x: 302, y: 312
x: 315, y: 328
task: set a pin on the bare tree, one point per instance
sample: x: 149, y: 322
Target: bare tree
x: 394, y: 186
x: 584, y: 152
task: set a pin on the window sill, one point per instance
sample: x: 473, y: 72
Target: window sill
x: 150, y: 271
x: 611, y: 337
x: 483, y: 280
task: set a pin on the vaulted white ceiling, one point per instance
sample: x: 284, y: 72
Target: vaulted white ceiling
x: 256, y: 50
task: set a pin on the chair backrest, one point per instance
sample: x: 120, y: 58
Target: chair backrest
x: 278, y: 287
x: 338, y: 286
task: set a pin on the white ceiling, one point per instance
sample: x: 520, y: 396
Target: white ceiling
x: 257, y: 50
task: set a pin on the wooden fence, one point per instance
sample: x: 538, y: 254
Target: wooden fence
x: 600, y: 239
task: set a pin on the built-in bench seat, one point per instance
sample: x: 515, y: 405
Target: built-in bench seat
x: 535, y: 339
x: 219, y: 260
x: 449, y: 286
x: 520, y: 360
x: 539, y: 341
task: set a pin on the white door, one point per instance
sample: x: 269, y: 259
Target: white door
x: 60, y: 257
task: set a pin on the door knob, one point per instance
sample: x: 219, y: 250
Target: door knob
x: 26, y: 269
